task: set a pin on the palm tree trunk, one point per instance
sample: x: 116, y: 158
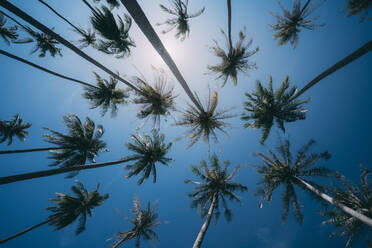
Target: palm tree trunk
x: 45, y: 173
x: 203, y: 230
x: 344, y: 208
x: 90, y: 6
x: 126, y: 238
x: 143, y: 23
x: 14, y: 20
x: 229, y: 25
x: 21, y: 14
x: 32, y: 150
x: 366, y: 48
x: 45, y: 69
x: 303, y: 9
x: 24, y: 231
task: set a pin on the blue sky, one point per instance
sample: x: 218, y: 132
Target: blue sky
x: 339, y: 118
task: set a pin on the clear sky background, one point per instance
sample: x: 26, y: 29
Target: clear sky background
x: 339, y: 118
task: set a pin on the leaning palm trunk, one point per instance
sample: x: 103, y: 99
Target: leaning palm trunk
x: 45, y: 173
x: 203, y: 230
x: 229, y: 25
x: 126, y: 238
x: 45, y: 69
x: 350, y: 58
x: 344, y: 208
x: 24, y: 231
x: 32, y: 150
x: 90, y: 6
x: 21, y: 14
x: 143, y: 23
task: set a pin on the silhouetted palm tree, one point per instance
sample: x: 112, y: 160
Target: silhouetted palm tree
x: 117, y: 40
x: 356, y: 197
x: 113, y: 3
x: 106, y: 95
x: 205, y: 122
x: 9, y: 33
x: 14, y: 127
x: 355, y: 7
x: 215, y: 187
x: 180, y: 18
x: 290, y: 24
x: 69, y: 208
x: 264, y: 106
x: 148, y: 151
x: 144, y: 221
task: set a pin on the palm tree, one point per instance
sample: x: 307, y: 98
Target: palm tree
x: 14, y: 127
x: 113, y: 3
x: 10, y: 7
x: 264, y: 106
x: 204, y: 122
x: 69, y: 208
x: 355, y: 7
x: 358, y: 198
x: 180, y: 18
x: 290, y: 24
x: 8, y: 34
x: 215, y: 187
x: 282, y: 170
x: 143, y: 23
x: 106, y: 95
x: 155, y: 101
x: 117, y: 40
x: 148, y: 151
x: 144, y: 221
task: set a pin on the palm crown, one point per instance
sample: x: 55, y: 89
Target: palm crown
x: 148, y: 151
x: 15, y: 127
x: 180, y: 19
x: 216, y: 183
x: 69, y: 208
x: 7, y: 33
x: 144, y: 221
x: 264, y: 106
x: 106, y: 96
x: 117, y: 40
x: 290, y: 24
x: 355, y: 7
x: 83, y: 142
x: 45, y: 43
x: 282, y: 170
x: 88, y: 37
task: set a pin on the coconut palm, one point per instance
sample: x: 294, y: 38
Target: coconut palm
x: 180, y: 18
x: 117, y: 40
x: 355, y: 7
x: 106, y: 95
x: 144, y: 221
x: 148, y: 151
x: 204, y: 123
x: 155, y: 101
x: 215, y: 187
x: 14, y: 127
x: 70, y: 208
x: 356, y: 197
x: 264, y: 106
x: 8, y: 33
x: 291, y: 23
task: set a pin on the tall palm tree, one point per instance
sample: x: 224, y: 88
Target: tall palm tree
x: 8, y: 33
x: 215, y: 187
x: 282, y: 170
x: 264, y: 106
x: 144, y: 221
x: 21, y: 14
x: 143, y: 23
x: 204, y: 122
x: 290, y: 24
x: 69, y: 208
x: 147, y: 152
x: 116, y: 36
x: 180, y: 18
x: 14, y: 127
x: 356, y: 197
x: 106, y: 95
x: 355, y: 7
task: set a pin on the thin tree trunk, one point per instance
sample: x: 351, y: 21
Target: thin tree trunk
x: 366, y: 48
x: 14, y: 20
x: 203, y: 230
x: 45, y: 173
x: 344, y: 208
x: 229, y: 25
x: 128, y: 237
x: 32, y: 150
x: 21, y: 14
x: 45, y: 69
x: 143, y: 23
x: 306, y: 4
x: 90, y: 6
x: 23, y: 232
